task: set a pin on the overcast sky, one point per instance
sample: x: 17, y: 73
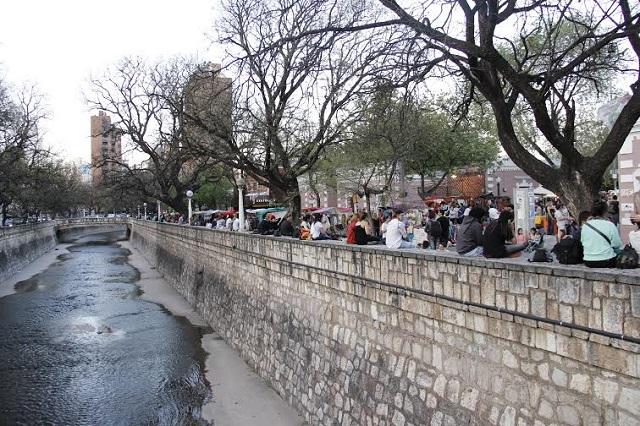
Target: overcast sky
x: 57, y: 44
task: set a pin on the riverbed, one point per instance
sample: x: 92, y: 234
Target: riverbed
x: 96, y: 336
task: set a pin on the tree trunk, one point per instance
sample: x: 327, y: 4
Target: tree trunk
x: 578, y: 192
x: 294, y: 202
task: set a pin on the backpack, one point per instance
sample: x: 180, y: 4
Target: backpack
x: 538, y: 221
x: 568, y: 251
x: 305, y: 234
x: 435, y: 229
x: 628, y: 258
x: 541, y: 255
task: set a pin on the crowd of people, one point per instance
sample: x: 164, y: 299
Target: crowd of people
x: 479, y: 228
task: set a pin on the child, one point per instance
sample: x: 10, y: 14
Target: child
x: 521, y: 238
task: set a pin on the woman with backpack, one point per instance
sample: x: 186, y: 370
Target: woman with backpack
x: 600, y: 239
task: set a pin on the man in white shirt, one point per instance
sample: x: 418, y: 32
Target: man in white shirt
x: 220, y: 224
x: 396, y: 233
x: 236, y: 224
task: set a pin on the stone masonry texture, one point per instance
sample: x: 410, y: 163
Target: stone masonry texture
x: 366, y: 336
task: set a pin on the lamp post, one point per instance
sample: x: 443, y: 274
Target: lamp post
x: 498, y: 180
x: 145, y: 210
x: 138, y: 211
x: 158, y: 211
x: 189, y: 195
x: 241, y: 202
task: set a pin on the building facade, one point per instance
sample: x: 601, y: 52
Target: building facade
x: 505, y: 177
x: 629, y: 181
x: 106, y: 147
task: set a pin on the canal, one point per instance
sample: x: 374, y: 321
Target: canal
x: 78, y: 345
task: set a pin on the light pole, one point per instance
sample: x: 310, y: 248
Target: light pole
x: 241, y: 202
x: 189, y: 195
x: 158, y: 211
x: 138, y: 211
x: 498, y: 180
x: 145, y: 210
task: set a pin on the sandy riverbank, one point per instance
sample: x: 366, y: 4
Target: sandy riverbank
x: 240, y: 397
x: 7, y: 287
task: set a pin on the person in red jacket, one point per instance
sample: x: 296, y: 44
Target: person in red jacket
x: 351, y: 229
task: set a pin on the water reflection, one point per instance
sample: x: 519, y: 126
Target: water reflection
x: 77, y: 346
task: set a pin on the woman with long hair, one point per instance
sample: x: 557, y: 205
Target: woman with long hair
x: 498, y: 237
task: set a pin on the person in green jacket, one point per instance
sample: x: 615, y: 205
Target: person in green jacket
x: 600, y: 238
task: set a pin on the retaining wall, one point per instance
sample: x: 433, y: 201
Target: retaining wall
x: 361, y: 335
x: 21, y: 245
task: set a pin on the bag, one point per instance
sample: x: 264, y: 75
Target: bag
x: 538, y: 222
x: 541, y: 255
x: 435, y: 229
x: 568, y: 251
x: 305, y: 234
x: 627, y: 259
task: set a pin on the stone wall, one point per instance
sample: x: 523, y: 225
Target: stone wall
x: 361, y: 335
x: 21, y: 245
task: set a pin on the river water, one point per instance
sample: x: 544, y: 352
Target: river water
x: 79, y: 346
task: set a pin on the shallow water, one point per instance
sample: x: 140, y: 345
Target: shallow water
x: 78, y: 346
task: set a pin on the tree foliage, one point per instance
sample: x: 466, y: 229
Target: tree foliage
x: 536, y: 56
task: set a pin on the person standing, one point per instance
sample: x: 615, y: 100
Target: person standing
x: 444, y: 227
x: 236, y: 223
x: 614, y: 210
x: 562, y: 219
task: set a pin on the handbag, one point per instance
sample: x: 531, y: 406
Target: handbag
x: 627, y: 258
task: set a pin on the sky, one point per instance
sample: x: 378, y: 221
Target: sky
x: 58, y: 44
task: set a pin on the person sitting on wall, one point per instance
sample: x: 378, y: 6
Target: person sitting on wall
x: 351, y: 233
x: 469, y: 242
x: 268, y: 225
x: 317, y: 230
x: 396, y: 233
x: 600, y: 239
x: 498, y: 237
x: 361, y: 230
x: 286, y: 228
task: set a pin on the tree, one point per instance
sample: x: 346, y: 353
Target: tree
x: 290, y: 103
x: 441, y: 146
x: 148, y: 103
x: 21, y: 150
x: 564, y: 49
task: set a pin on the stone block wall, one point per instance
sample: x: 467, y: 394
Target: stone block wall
x: 21, y: 245
x: 361, y: 335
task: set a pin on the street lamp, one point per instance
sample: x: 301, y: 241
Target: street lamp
x: 138, y: 211
x: 498, y: 180
x: 158, y: 211
x: 189, y: 195
x: 241, y: 202
x: 145, y: 210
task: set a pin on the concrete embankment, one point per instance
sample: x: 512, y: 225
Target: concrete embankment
x: 21, y: 245
x: 240, y: 396
x: 358, y: 335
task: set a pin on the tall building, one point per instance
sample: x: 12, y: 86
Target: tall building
x: 105, y: 145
